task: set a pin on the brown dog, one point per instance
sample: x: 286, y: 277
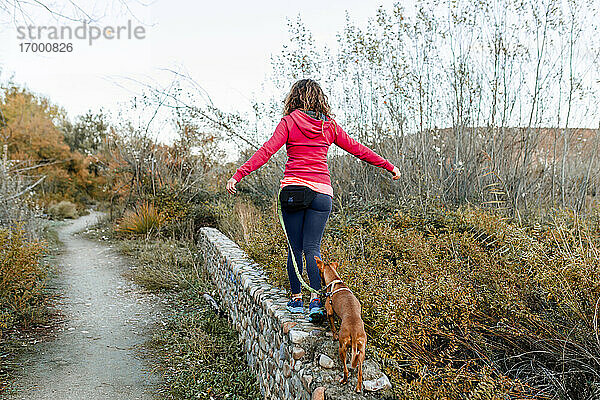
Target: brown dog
x: 339, y: 298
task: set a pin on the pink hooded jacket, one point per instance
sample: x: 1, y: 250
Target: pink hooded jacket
x: 307, y: 141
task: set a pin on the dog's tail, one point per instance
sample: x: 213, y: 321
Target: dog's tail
x: 358, y: 346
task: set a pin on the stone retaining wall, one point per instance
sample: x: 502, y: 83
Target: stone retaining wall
x: 290, y: 356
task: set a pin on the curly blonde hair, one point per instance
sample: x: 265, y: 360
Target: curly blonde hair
x: 306, y: 95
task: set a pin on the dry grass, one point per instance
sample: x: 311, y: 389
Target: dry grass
x: 63, y: 210
x: 163, y: 265
x: 201, y: 355
x: 145, y: 219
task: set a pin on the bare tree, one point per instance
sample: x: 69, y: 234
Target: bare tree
x: 15, y: 188
x: 23, y: 11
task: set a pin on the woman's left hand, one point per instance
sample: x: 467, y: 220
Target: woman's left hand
x: 396, y: 173
x: 231, y: 186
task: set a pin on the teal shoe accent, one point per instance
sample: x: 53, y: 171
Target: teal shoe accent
x: 316, y: 312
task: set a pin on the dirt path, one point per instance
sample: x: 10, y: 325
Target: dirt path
x: 107, y: 317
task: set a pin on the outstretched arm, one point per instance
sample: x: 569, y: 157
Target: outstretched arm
x: 363, y: 152
x: 261, y: 156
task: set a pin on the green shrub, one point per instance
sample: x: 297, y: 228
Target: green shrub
x: 63, y: 210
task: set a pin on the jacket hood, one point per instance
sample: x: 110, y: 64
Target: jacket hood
x: 309, y: 126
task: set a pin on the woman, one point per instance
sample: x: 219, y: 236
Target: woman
x: 307, y: 130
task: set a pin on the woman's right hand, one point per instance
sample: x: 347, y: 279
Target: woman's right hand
x: 396, y: 173
x: 231, y: 186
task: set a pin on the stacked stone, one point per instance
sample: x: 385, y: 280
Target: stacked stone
x: 277, y: 343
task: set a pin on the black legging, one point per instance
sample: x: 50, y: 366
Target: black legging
x: 305, y: 230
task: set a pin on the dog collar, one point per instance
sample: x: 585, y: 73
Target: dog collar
x: 333, y: 283
x: 332, y: 292
x: 339, y: 290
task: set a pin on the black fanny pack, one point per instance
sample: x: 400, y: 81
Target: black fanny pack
x: 296, y: 197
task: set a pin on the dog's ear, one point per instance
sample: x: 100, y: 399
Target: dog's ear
x: 335, y: 265
x: 320, y: 264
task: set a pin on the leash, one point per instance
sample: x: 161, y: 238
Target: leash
x: 306, y: 286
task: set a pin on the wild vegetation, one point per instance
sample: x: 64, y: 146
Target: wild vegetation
x: 36, y: 139
x: 21, y: 279
x: 476, y: 271
x: 462, y: 301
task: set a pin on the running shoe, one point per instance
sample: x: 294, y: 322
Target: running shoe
x: 295, y: 306
x: 316, y: 312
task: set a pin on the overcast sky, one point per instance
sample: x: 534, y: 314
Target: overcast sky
x: 224, y: 45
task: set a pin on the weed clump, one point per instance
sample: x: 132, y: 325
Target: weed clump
x: 145, y: 219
